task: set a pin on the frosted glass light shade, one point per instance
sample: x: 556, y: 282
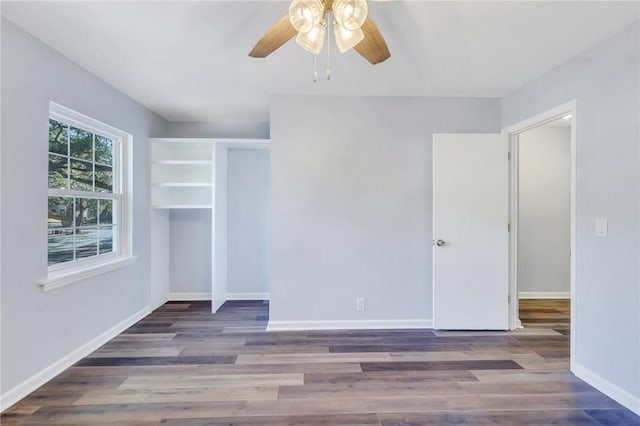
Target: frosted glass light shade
x: 346, y: 39
x: 351, y: 14
x: 314, y: 39
x: 304, y: 14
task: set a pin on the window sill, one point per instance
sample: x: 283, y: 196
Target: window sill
x: 60, y: 279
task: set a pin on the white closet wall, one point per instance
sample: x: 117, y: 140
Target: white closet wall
x: 190, y: 252
x: 247, y: 223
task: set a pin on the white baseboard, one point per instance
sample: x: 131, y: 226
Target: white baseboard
x: 247, y: 296
x: 14, y: 395
x: 544, y: 295
x: 157, y: 305
x: 348, y: 325
x: 183, y: 297
x: 614, y: 392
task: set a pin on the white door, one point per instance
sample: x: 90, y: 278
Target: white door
x: 470, y: 234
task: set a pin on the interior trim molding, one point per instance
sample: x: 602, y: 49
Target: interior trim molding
x: 14, y: 395
x: 247, y: 296
x: 184, y: 297
x: 614, y: 392
x: 61, y: 279
x: 348, y: 325
x: 544, y: 295
x: 216, y: 304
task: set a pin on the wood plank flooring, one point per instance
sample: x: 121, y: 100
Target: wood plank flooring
x: 182, y: 365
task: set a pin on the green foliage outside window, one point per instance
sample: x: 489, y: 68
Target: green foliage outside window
x: 78, y: 159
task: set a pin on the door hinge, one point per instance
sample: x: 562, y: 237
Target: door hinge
x: 508, y: 227
x: 509, y: 155
x: 508, y: 298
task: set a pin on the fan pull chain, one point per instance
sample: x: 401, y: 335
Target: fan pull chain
x: 315, y: 68
x: 330, y: 24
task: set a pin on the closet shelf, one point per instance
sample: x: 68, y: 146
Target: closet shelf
x: 182, y: 173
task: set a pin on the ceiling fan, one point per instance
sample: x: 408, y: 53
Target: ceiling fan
x: 309, y: 21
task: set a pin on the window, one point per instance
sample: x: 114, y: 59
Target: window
x: 86, y: 199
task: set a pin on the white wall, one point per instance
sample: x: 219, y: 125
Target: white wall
x: 544, y: 213
x: 605, y: 84
x: 190, y: 252
x: 351, y: 210
x: 39, y: 329
x: 248, y: 222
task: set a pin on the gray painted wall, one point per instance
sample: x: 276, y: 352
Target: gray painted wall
x: 544, y: 213
x: 40, y: 328
x: 604, y: 82
x: 190, y: 251
x: 351, y: 210
x: 220, y: 129
x: 160, y: 272
x: 248, y: 221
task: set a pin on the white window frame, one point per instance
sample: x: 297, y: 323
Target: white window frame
x: 61, y: 274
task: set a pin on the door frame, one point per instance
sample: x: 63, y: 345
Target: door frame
x: 513, y: 133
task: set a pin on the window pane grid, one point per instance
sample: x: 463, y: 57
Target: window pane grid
x: 78, y: 165
x: 84, y: 237
x: 82, y: 201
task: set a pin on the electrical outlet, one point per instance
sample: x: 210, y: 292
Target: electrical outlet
x: 361, y: 304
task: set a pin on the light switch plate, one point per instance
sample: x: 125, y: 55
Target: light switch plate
x: 601, y: 227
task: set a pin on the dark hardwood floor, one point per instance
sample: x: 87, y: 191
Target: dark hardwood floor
x: 182, y: 365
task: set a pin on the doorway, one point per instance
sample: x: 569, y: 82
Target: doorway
x: 544, y: 210
x: 542, y: 219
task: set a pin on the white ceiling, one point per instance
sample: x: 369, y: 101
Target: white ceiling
x: 188, y: 60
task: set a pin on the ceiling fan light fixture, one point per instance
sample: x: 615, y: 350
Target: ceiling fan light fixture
x: 350, y: 14
x: 305, y: 14
x: 314, y: 39
x: 347, y: 39
x: 307, y: 21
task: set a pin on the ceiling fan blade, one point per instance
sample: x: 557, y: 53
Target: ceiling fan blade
x: 278, y: 35
x: 373, y: 48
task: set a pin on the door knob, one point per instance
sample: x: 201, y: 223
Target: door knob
x: 441, y: 243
